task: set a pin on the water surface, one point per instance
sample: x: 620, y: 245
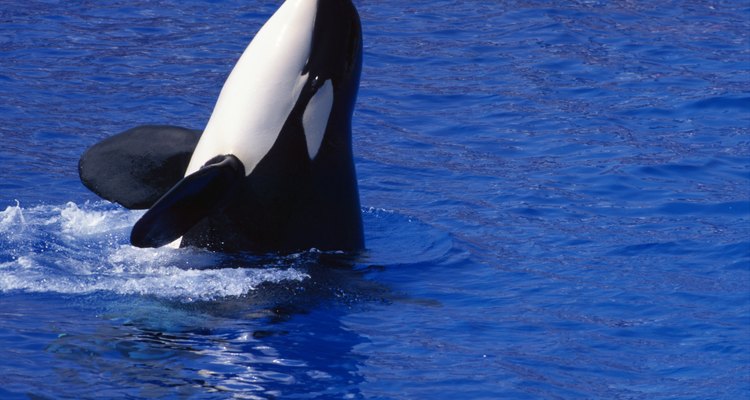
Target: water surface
x: 556, y: 198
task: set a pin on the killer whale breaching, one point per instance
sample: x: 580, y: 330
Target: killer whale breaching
x: 273, y: 169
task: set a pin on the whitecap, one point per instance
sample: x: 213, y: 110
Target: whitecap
x: 12, y: 219
x: 82, y: 249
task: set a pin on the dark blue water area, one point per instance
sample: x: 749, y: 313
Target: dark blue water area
x: 556, y: 197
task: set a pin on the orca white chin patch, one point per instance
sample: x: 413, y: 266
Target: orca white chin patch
x: 315, y: 118
x: 261, y: 90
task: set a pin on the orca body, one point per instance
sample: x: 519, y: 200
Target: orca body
x: 273, y: 169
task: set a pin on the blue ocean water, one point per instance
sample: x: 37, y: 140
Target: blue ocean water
x: 556, y: 198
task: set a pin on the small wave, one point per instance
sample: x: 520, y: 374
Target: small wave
x: 721, y: 102
x: 396, y: 239
x: 83, y: 249
x: 75, y: 249
x: 12, y: 217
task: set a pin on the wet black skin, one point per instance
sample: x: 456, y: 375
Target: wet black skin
x: 288, y: 202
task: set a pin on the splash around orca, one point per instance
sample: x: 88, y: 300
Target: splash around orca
x: 273, y: 170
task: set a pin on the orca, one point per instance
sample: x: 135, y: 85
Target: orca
x: 273, y: 170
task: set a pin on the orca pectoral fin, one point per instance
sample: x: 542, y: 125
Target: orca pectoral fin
x: 192, y: 199
x: 136, y: 167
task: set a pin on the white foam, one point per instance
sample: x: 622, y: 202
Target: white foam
x: 83, y: 249
x: 12, y: 219
x: 78, y: 222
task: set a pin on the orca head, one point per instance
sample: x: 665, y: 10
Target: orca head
x: 305, y: 62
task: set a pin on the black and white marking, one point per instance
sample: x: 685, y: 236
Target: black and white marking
x: 273, y: 169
